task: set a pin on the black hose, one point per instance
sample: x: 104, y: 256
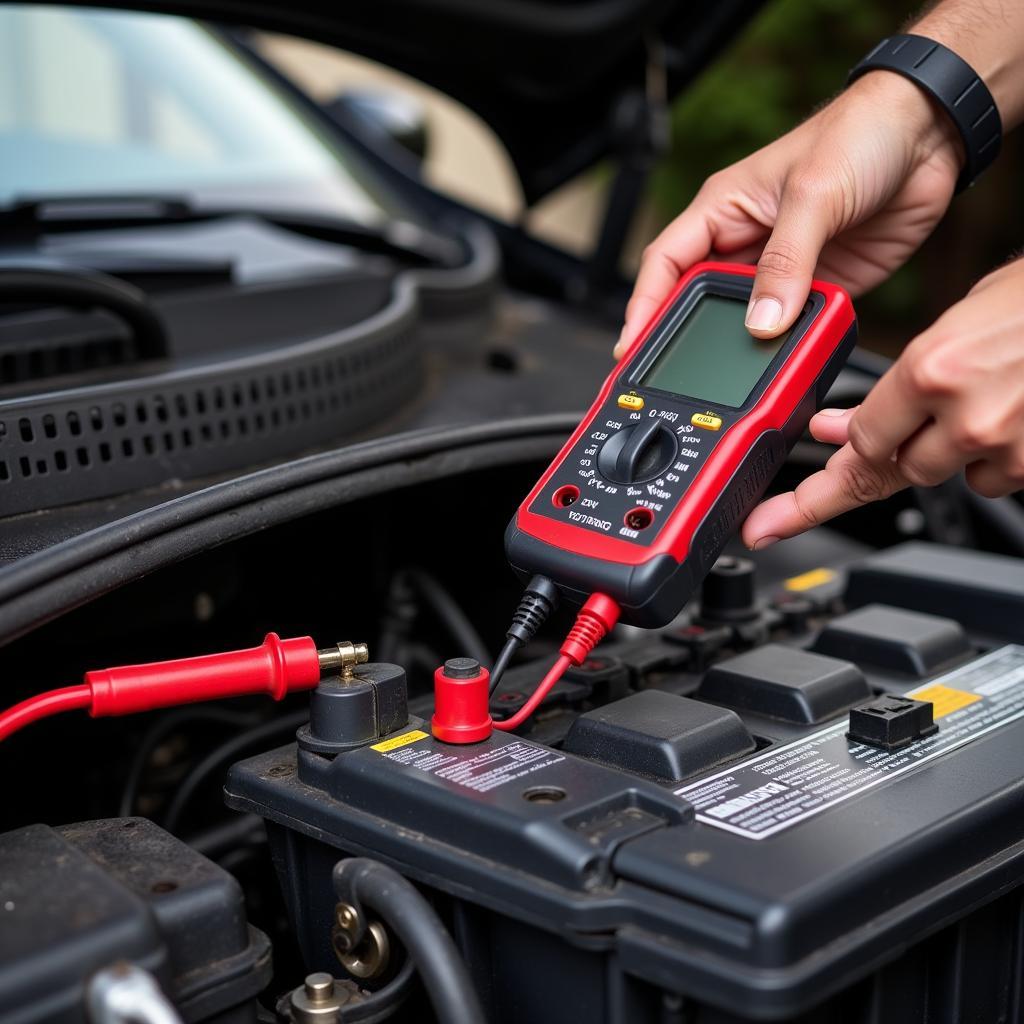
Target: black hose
x: 463, y: 632
x: 88, y: 289
x: 243, y: 830
x: 365, y: 883
x: 383, y: 1003
x: 43, y: 585
x: 165, y: 725
x: 225, y: 752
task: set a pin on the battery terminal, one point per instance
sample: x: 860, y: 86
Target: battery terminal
x: 342, y: 658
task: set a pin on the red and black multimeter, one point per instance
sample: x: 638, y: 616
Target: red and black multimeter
x: 683, y: 440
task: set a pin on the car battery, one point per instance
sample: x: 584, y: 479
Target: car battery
x: 825, y: 826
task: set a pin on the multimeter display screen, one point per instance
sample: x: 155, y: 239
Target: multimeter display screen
x: 711, y: 356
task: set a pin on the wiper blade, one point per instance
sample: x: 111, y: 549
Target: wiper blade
x: 398, y: 238
x: 71, y: 212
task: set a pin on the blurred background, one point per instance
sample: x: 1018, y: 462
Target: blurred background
x: 791, y: 59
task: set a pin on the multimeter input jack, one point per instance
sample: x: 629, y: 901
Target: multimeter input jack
x: 639, y: 518
x: 565, y: 496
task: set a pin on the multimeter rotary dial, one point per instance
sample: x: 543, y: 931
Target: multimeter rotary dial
x: 637, y: 453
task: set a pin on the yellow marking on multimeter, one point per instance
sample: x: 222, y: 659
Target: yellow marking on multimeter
x: 633, y: 402
x: 706, y: 420
x: 395, y: 742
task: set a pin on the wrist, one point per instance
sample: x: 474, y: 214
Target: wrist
x: 927, y: 128
x: 988, y: 48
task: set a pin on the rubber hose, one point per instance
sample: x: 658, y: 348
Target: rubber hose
x: 366, y: 883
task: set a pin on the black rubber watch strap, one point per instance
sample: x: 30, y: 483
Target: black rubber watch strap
x: 951, y: 81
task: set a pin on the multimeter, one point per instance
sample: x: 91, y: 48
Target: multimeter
x: 681, y: 443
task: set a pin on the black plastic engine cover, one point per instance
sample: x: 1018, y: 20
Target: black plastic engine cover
x: 80, y: 898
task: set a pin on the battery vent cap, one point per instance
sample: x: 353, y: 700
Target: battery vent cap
x: 891, y: 723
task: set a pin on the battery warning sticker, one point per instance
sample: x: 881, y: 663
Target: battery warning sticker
x: 789, y: 784
x: 481, y: 771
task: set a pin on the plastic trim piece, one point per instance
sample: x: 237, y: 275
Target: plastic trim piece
x: 89, y: 442
x: 42, y: 586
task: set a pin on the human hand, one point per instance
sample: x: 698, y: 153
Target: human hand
x: 953, y: 400
x: 847, y: 196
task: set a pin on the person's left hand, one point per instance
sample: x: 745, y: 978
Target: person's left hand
x: 953, y: 400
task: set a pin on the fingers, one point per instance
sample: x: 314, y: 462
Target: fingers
x: 687, y: 240
x: 993, y: 478
x: 930, y: 457
x: 899, y: 405
x: 784, y: 271
x: 846, y: 483
x: 832, y: 426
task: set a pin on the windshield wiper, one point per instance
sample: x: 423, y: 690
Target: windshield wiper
x: 400, y: 239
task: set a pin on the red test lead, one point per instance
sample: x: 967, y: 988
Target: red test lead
x: 277, y: 667
x: 594, y: 621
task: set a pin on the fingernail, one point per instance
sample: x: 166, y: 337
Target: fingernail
x: 833, y: 412
x: 764, y: 542
x: 765, y: 314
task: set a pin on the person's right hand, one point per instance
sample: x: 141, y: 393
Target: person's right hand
x: 847, y: 196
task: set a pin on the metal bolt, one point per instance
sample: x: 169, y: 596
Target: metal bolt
x: 371, y: 957
x: 319, y: 987
x: 317, y: 1000
x: 346, y: 925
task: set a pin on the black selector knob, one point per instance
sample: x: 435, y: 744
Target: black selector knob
x: 727, y: 594
x: 637, y: 453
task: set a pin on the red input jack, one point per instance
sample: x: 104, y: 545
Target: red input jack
x: 565, y: 496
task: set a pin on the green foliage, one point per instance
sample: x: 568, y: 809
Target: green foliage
x: 792, y: 58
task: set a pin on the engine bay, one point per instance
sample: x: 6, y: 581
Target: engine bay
x: 684, y: 813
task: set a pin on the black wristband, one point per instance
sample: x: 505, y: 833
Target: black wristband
x: 952, y: 83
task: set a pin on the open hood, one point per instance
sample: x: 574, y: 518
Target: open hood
x: 549, y: 76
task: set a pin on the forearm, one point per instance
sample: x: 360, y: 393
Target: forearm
x: 989, y: 35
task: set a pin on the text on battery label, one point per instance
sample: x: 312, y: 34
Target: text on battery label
x: 777, y: 789
x: 480, y: 771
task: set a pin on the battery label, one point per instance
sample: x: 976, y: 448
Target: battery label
x: 785, y: 785
x: 480, y: 771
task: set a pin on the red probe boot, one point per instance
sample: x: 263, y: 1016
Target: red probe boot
x: 461, y: 702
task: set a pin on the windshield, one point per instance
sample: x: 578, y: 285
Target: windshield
x: 116, y: 103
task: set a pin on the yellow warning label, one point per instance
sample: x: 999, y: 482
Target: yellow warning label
x: 809, y: 580
x: 945, y: 698
x: 399, y: 741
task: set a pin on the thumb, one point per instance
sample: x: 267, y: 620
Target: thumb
x: 786, y: 266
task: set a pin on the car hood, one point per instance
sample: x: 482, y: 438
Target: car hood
x: 553, y: 78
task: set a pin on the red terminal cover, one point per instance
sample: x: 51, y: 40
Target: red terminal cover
x: 461, y: 702
x: 796, y: 377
